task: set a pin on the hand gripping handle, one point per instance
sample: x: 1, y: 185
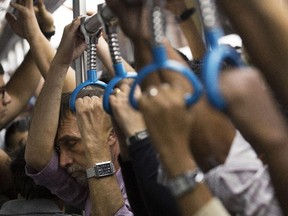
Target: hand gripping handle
x: 91, y: 80
x: 161, y: 62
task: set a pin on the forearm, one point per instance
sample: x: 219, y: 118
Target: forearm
x: 110, y: 200
x: 191, y: 27
x: 254, y: 112
x: 21, y: 88
x: 43, y: 53
x: 263, y: 26
x: 176, y: 162
x: 40, y: 142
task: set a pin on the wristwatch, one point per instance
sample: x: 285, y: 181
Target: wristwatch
x: 185, y: 182
x: 137, y: 137
x: 101, y: 170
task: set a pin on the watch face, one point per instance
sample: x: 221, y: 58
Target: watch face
x: 104, y: 169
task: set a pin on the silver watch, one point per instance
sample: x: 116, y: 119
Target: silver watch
x: 185, y: 182
x: 101, y: 170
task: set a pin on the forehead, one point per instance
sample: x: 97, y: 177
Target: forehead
x: 68, y: 128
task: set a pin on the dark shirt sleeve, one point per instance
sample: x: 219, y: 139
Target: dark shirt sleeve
x: 133, y: 193
x: 158, y: 198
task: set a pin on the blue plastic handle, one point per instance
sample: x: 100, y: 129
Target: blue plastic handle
x: 91, y: 80
x: 213, y: 63
x: 120, y: 75
x: 161, y: 62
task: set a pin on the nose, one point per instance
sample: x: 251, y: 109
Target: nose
x: 6, y: 99
x: 65, y: 159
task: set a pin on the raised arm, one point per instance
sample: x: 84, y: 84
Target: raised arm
x: 95, y: 128
x: 21, y: 87
x: 42, y: 51
x: 253, y: 110
x: 263, y: 26
x: 190, y: 25
x: 40, y: 143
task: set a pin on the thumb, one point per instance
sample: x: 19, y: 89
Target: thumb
x: 11, y: 19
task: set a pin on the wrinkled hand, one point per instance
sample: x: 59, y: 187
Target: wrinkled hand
x: 94, y: 125
x: 25, y: 24
x: 44, y: 17
x: 72, y: 44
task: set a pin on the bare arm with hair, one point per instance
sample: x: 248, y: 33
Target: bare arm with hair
x: 26, y: 26
x: 21, y: 87
x: 263, y: 26
x: 43, y: 129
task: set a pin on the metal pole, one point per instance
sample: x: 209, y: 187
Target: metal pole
x: 79, y: 8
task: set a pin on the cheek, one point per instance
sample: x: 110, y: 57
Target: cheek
x: 79, y: 156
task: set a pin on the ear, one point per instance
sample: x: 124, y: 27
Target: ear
x: 112, y: 138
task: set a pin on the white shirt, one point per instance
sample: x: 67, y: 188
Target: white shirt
x: 243, y: 183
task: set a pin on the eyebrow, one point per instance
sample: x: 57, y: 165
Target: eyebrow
x: 66, y: 138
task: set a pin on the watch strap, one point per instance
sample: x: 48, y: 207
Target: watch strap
x: 141, y: 135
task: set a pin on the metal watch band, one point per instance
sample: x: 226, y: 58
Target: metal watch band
x: 101, y: 170
x: 185, y: 182
x: 141, y: 135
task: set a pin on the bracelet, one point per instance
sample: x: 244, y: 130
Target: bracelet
x: 185, y: 15
x: 185, y: 182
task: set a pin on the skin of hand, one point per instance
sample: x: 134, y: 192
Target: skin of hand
x: 100, y: 145
x: 170, y: 135
x: 126, y: 120
x: 171, y: 132
x: 44, y: 17
x: 72, y: 39
x: 95, y: 128
x: 25, y: 25
x: 129, y: 120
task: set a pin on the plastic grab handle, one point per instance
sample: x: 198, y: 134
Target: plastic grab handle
x: 120, y: 75
x: 92, y: 80
x: 161, y: 62
x: 212, y: 66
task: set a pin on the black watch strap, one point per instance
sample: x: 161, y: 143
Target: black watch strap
x: 141, y: 135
